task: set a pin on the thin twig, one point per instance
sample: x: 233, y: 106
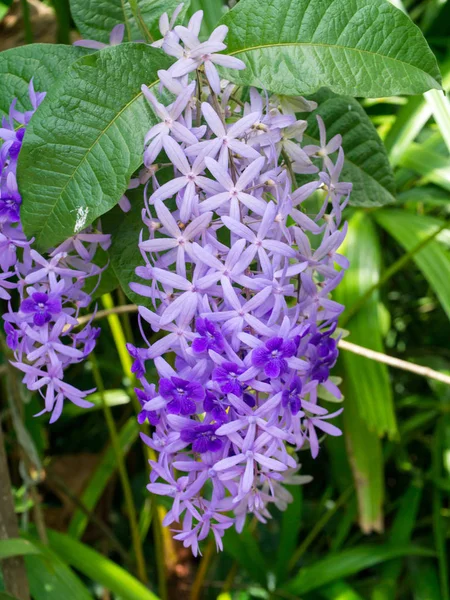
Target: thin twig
x: 397, y: 363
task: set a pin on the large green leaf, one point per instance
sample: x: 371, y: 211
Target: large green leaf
x: 98, y: 568
x: 86, y: 140
x: 432, y: 166
x: 96, y: 18
x: 366, y: 163
x: 346, y: 563
x: 433, y: 260
x: 355, y: 47
x: 43, y: 63
x: 50, y: 578
x: 368, y: 380
x: 16, y: 547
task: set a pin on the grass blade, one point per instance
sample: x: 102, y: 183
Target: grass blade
x: 98, y: 568
x: 347, y: 563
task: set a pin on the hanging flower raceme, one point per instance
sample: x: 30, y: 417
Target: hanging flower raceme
x: 239, y: 277
x: 44, y: 293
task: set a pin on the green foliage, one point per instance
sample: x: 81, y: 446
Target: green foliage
x: 347, y: 563
x: 96, y: 18
x: 89, y: 134
x: 97, y: 567
x: 355, y: 47
x: 366, y: 163
x: 43, y: 63
x: 16, y: 547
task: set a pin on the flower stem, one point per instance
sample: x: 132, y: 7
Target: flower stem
x: 128, y: 495
x: 126, y: 362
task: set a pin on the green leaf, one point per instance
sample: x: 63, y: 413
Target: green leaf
x: 424, y: 580
x: 290, y: 527
x: 96, y: 18
x: 400, y: 533
x: 99, y: 568
x: 125, y: 254
x: 368, y: 381
x: 5, y: 596
x: 96, y: 486
x: 50, y: 578
x: 432, y: 166
x: 246, y: 551
x: 86, y: 140
x: 408, y: 230
x: 347, y: 563
x: 16, y: 547
x: 366, y: 163
x: 355, y: 47
x: 43, y: 63
x: 339, y: 590
x: 113, y: 398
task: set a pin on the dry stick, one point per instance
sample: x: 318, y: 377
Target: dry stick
x: 14, y: 572
x: 397, y: 363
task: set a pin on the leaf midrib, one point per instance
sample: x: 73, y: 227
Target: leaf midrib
x: 336, y: 46
x: 85, y: 157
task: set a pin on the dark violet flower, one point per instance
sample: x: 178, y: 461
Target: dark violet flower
x: 181, y: 394
x: 42, y: 306
x: 12, y: 336
x: 202, y: 437
x: 227, y: 377
x: 271, y: 357
x: 146, y: 415
x: 10, y: 201
x: 216, y: 407
x: 140, y: 356
x: 210, y: 337
x: 291, y: 397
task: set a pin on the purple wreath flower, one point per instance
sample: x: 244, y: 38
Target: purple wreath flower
x: 271, y: 357
x: 227, y: 376
x: 181, y: 394
x: 42, y: 306
x: 210, y: 337
x: 292, y: 397
x: 202, y: 437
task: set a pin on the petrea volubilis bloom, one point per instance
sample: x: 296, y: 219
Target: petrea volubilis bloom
x: 44, y: 293
x: 238, y: 274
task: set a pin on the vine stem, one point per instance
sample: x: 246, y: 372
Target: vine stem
x: 396, y: 363
x: 126, y: 486
x: 14, y: 572
x: 162, y: 544
x: 390, y: 272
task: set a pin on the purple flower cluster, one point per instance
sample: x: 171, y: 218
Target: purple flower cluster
x: 239, y: 277
x: 49, y: 294
x: 241, y: 289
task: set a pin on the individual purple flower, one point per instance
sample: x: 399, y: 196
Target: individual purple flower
x: 272, y: 356
x: 210, y: 337
x: 216, y: 406
x: 115, y: 38
x: 146, y: 415
x: 43, y: 307
x: 291, y: 398
x: 227, y: 377
x: 140, y: 356
x: 202, y: 437
x: 182, y: 395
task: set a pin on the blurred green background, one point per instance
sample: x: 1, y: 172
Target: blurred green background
x: 375, y: 521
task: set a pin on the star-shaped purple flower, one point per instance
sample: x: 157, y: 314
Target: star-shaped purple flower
x: 202, y: 437
x: 182, y: 395
x: 271, y: 357
x: 42, y: 307
x: 210, y: 337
